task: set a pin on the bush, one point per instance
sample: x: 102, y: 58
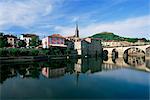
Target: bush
x: 33, y: 52
x: 44, y: 52
x: 24, y: 52
x: 13, y: 52
x: 3, y: 52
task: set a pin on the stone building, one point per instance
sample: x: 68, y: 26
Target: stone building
x: 83, y: 46
x: 91, y: 47
x: 11, y: 39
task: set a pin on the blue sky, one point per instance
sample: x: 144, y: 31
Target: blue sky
x: 128, y: 18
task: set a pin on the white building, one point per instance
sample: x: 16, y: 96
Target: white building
x: 27, y: 38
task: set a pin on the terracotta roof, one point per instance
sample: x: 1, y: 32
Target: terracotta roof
x: 56, y: 35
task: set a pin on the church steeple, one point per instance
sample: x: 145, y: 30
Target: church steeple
x: 77, y: 31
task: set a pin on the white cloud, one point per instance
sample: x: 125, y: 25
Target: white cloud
x: 132, y: 27
x: 22, y: 13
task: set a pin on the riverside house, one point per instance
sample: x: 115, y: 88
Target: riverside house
x: 55, y: 40
x: 28, y: 37
x: 11, y: 39
x: 85, y: 47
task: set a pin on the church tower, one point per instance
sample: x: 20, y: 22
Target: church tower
x: 77, y: 31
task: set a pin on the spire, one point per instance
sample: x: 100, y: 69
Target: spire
x: 77, y: 30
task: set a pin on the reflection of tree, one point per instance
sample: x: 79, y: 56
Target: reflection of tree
x: 33, y: 69
x: 23, y: 70
x: 6, y: 73
x: 70, y: 65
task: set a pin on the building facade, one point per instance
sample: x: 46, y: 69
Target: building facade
x: 91, y: 47
x: 12, y: 40
x: 28, y: 37
x: 84, y: 46
x: 53, y: 40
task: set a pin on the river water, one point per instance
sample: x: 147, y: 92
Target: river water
x: 91, y: 78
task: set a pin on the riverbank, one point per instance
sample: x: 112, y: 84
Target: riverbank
x: 19, y: 52
x: 30, y: 58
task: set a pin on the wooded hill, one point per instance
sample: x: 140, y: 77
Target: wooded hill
x: 112, y: 36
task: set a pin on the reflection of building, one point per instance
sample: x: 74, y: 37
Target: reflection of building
x: 77, y: 66
x: 11, y: 40
x: 52, y: 73
x: 28, y: 37
x: 137, y: 63
x: 85, y: 46
x: 53, y: 40
x: 91, y: 65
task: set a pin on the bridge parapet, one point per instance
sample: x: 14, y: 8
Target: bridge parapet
x: 121, y: 50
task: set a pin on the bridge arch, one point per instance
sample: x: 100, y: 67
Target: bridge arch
x: 148, y: 51
x: 105, y: 52
x: 115, y: 53
x: 121, y: 50
x: 133, y: 51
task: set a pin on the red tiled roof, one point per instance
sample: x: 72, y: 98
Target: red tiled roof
x: 56, y: 35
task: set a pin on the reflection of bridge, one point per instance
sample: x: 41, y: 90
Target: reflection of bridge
x: 122, y: 50
x: 119, y: 62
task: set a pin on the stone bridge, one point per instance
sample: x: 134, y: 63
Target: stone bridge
x: 132, y: 62
x: 145, y: 49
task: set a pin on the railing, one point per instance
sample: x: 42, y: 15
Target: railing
x: 124, y: 46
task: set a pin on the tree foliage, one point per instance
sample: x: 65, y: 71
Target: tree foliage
x: 112, y: 36
x: 34, y: 41
x: 3, y: 41
x: 21, y: 43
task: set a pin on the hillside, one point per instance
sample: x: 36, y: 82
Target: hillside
x: 112, y: 36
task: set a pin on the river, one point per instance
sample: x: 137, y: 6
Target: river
x: 91, y: 78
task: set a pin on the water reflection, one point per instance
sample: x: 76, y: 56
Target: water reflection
x: 135, y: 61
x: 58, y: 68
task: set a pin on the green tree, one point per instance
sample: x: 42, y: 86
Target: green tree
x: 34, y: 41
x: 22, y: 43
x: 1, y: 34
x: 3, y: 41
x: 132, y: 40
